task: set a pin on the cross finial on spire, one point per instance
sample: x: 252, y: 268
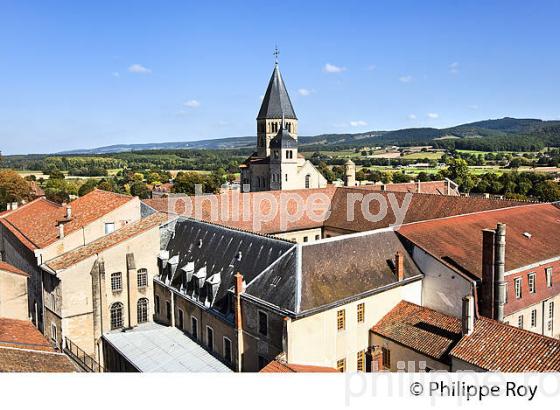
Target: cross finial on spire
x: 276, y: 53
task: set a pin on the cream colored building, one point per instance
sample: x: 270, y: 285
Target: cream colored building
x: 276, y: 165
x: 13, y: 292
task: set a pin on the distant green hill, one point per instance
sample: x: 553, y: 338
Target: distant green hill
x: 500, y: 134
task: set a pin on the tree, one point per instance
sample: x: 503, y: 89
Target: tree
x: 140, y: 190
x: 548, y: 191
x: 87, y: 187
x: 13, y: 188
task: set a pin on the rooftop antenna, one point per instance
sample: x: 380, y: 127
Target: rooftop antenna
x: 276, y: 54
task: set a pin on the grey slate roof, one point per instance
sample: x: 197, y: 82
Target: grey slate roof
x: 283, y: 140
x: 155, y: 348
x: 276, y: 101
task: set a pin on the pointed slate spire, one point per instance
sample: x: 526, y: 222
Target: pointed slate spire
x: 276, y: 102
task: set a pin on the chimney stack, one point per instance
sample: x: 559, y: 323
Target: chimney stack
x: 68, y: 212
x: 418, y: 187
x: 60, y: 231
x: 499, y: 272
x: 238, y: 289
x: 487, y: 288
x: 467, y: 318
x: 399, y: 266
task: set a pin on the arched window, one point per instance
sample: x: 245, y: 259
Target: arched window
x: 307, y: 180
x: 117, y: 316
x: 116, y: 282
x: 142, y: 310
x: 142, y: 278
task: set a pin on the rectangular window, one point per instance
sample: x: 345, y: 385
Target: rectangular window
x: 194, y: 328
x: 227, y: 350
x: 361, y: 361
x: 168, y: 311
x: 520, y: 322
x: 517, y: 284
x: 116, y: 282
x: 361, y: 313
x: 534, y: 318
x: 53, y: 333
x: 531, y: 279
x: 109, y: 227
x: 550, y: 316
x: 341, y: 365
x: 386, y: 353
x: 340, y: 319
x: 181, y: 319
x: 156, y: 304
x: 142, y: 278
x: 317, y: 237
x: 210, y: 338
x: 263, y: 323
x: 548, y: 273
x: 305, y: 239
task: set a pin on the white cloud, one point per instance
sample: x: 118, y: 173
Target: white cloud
x: 139, y: 69
x: 304, y: 92
x: 454, y: 68
x: 411, y: 116
x: 358, y: 123
x: 331, y: 68
x: 192, y: 104
x: 433, y: 115
x: 405, y: 78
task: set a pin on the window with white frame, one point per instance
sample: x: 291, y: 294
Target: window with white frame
x: 109, y: 227
x: 517, y: 284
x: 142, y: 310
x: 534, y: 318
x: 548, y: 274
x: 531, y: 280
x: 117, y: 316
x: 142, y: 278
x: 520, y: 322
x: 116, y: 282
x: 550, y: 315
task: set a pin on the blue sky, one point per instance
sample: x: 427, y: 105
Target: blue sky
x: 76, y: 74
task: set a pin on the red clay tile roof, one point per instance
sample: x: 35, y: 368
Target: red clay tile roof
x: 422, y: 207
x: 421, y: 329
x: 28, y: 361
x: 4, y: 266
x: 458, y: 240
x: 35, y: 223
x: 498, y: 347
x: 71, y: 258
x: 277, y: 367
x: 22, y: 334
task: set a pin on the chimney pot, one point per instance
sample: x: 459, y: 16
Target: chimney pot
x: 68, y: 212
x: 60, y: 231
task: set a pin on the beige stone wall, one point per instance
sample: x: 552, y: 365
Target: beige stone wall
x: 542, y: 309
x: 315, y: 340
x: 125, y: 214
x: 13, y: 296
x: 77, y: 297
x: 312, y: 235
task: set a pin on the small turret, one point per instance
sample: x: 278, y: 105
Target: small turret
x: 349, y: 173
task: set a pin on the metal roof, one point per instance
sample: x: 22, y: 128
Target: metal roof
x: 155, y: 348
x: 276, y: 102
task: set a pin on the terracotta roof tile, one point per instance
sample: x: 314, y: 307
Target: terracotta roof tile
x: 498, y: 347
x: 428, y: 187
x: 458, y: 240
x: 22, y: 334
x: 35, y: 223
x: 278, y: 367
x: 421, y: 329
x: 27, y: 361
x: 4, y: 266
x: 71, y: 258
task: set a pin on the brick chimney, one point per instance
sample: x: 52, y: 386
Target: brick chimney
x: 399, y: 266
